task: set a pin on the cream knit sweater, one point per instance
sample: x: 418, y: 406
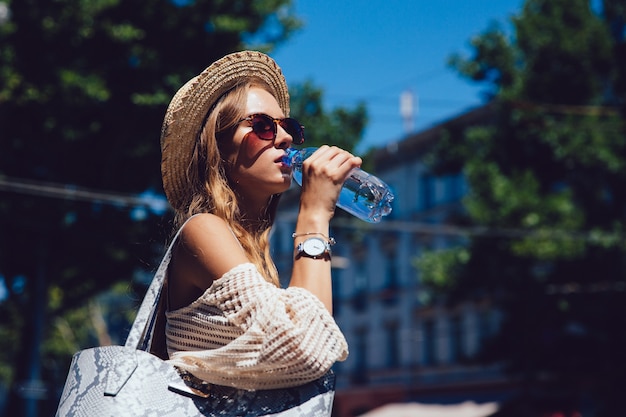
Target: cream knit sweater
x: 246, y: 333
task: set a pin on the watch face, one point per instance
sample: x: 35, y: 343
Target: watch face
x: 313, y: 246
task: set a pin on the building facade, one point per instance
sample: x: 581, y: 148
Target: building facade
x: 403, y: 347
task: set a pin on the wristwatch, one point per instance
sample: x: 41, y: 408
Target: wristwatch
x: 313, y: 247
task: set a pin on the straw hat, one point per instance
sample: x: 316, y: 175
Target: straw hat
x: 188, y: 110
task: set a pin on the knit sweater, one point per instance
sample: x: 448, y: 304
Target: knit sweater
x: 246, y: 333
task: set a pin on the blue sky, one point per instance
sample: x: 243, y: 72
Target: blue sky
x: 373, y: 50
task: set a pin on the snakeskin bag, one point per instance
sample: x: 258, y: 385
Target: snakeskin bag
x: 113, y: 381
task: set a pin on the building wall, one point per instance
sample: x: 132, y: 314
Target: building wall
x: 399, y: 344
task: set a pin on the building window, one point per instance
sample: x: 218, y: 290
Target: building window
x: 393, y: 344
x: 456, y: 187
x: 426, y: 191
x: 359, y: 298
x: 359, y: 373
x: 456, y: 339
x: 389, y: 294
x: 428, y: 343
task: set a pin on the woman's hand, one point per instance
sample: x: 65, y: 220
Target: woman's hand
x: 323, y: 175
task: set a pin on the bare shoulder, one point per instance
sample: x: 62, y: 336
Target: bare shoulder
x: 205, y: 251
x: 203, y: 227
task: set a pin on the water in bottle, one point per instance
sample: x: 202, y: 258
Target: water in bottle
x: 362, y: 195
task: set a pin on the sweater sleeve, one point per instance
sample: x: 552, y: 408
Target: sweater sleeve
x: 260, y: 336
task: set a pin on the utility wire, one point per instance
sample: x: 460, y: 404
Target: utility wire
x: 417, y: 228
x: 489, y: 232
x: 75, y: 193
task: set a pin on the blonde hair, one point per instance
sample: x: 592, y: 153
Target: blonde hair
x: 212, y: 190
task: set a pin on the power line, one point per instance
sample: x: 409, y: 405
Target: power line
x: 159, y: 203
x: 481, y: 231
x: 442, y: 229
x: 76, y: 193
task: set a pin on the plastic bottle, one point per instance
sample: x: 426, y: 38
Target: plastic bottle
x: 363, y: 195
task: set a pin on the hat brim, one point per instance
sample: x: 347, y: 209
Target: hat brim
x: 189, y: 107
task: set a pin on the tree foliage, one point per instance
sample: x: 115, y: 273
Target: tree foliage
x: 84, y: 85
x: 547, y: 181
x: 340, y: 127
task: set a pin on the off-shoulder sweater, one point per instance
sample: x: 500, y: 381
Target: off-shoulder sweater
x: 246, y: 333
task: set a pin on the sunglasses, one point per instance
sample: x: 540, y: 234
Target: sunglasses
x: 266, y: 127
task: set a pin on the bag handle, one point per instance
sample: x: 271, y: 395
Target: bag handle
x: 140, y: 335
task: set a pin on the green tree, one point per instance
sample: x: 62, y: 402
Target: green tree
x: 83, y: 90
x: 340, y: 127
x: 547, y: 177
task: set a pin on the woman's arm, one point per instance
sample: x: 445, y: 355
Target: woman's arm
x: 247, y: 333
x: 324, y: 173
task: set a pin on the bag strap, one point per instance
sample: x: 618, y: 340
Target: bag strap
x: 140, y: 335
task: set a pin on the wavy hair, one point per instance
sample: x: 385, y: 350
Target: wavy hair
x: 212, y: 190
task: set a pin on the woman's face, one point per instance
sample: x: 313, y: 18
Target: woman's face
x: 255, y: 165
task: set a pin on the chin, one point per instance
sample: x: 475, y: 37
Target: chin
x: 283, y: 185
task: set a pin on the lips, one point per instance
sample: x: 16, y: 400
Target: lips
x: 285, y: 169
x: 283, y: 165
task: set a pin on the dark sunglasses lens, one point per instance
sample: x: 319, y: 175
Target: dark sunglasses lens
x: 294, y: 128
x: 264, y: 127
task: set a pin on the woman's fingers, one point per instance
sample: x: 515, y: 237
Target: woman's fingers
x: 331, y: 162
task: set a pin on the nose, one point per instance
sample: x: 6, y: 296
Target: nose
x: 283, y: 139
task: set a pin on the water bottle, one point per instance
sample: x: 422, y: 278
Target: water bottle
x: 362, y: 195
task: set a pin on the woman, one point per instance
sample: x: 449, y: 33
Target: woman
x: 228, y: 322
